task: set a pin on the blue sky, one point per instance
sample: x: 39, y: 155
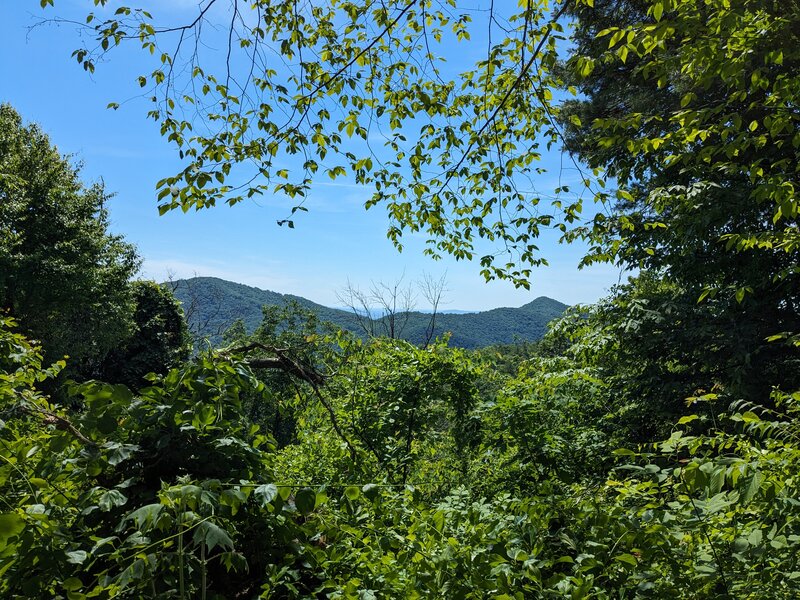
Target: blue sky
x: 336, y: 241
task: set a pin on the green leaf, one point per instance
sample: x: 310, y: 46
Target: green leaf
x: 212, y: 536
x: 119, y: 452
x: 750, y: 417
x: 751, y: 486
x: 627, y: 559
x: 11, y: 524
x: 265, y: 494
x: 304, y: 500
x: 755, y: 538
x: 687, y: 419
x: 623, y: 452
x: 146, y: 516
x: 371, y: 491
x: 110, y: 499
x: 72, y: 584
x: 76, y: 557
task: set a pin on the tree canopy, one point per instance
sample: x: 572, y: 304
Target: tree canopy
x: 63, y: 275
x: 373, y: 91
x: 159, y: 340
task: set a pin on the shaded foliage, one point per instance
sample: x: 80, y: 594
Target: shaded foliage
x: 159, y: 341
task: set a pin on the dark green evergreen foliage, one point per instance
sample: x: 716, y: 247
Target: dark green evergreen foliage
x: 62, y: 274
x: 159, y: 340
x: 216, y: 304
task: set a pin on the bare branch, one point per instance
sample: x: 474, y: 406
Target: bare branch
x: 281, y: 361
x: 60, y: 422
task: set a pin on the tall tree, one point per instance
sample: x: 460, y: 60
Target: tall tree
x: 62, y: 274
x: 691, y: 107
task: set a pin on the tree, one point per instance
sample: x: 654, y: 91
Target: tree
x: 477, y: 134
x: 694, y: 115
x: 160, y: 339
x: 199, y: 310
x: 385, y: 310
x: 164, y: 494
x: 62, y: 274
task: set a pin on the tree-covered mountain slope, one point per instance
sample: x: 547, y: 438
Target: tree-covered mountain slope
x: 213, y: 304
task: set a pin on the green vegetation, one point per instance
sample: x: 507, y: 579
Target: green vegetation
x: 646, y: 447
x: 61, y: 273
x: 213, y: 305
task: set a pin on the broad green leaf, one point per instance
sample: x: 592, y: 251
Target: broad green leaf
x: 305, y: 499
x: 72, y: 584
x: 627, y: 559
x: 76, y: 557
x: 111, y: 499
x: 265, y: 494
x: 11, y: 524
x: 212, y: 535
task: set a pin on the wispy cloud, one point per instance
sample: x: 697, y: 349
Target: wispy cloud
x: 264, y: 276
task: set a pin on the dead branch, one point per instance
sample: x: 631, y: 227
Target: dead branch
x: 281, y: 361
x: 51, y: 418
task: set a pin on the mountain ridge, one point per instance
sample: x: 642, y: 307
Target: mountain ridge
x: 213, y: 304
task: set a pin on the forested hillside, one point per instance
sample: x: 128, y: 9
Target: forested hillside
x: 646, y: 447
x: 214, y: 305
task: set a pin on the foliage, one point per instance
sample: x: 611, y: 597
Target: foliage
x: 409, y: 406
x: 723, y: 74
x: 173, y: 492
x: 576, y: 468
x: 159, y: 341
x: 549, y: 423
x: 295, y: 333
x: 348, y: 71
x: 706, y: 177
x: 130, y: 497
x: 721, y: 133
x: 62, y: 275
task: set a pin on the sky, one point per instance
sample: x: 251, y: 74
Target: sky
x: 336, y: 243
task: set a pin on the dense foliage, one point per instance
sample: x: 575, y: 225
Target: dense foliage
x: 159, y: 341
x: 647, y: 447
x: 411, y: 473
x: 62, y: 274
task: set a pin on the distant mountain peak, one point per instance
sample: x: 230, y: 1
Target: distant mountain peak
x: 217, y: 303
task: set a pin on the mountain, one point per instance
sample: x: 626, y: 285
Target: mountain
x: 212, y: 305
